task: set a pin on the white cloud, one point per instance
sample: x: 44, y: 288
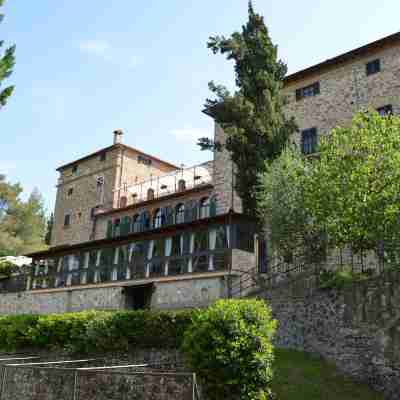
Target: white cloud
x: 95, y: 47
x: 113, y: 55
x: 189, y: 134
x: 7, y: 166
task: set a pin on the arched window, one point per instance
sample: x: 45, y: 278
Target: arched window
x: 180, y: 213
x: 136, y: 223
x: 150, y: 194
x: 145, y: 220
x: 123, y: 201
x: 205, y: 207
x: 181, y: 185
x: 158, y: 218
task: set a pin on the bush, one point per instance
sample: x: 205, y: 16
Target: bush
x: 7, y: 268
x: 94, y: 330
x: 338, y: 279
x: 229, y: 347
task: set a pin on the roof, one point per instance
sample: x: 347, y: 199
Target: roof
x: 342, y: 58
x: 114, y: 146
x: 157, y: 232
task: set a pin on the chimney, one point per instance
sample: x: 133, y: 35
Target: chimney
x: 118, y: 136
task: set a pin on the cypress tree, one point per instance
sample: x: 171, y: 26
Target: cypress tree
x: 7, y: 61
x: 252, y: 117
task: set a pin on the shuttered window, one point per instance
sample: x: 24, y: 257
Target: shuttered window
x: 309, y: 141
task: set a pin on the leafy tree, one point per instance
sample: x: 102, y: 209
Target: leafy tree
x: 22, y: 223
x: 229, y: 346
x: 252, y: 116
x: 353, y: 191
x: 7, y: 62
x: 281, y: 202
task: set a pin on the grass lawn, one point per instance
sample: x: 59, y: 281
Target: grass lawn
x: 301, y: 377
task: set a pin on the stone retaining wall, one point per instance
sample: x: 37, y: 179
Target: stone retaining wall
x: 357, y: 328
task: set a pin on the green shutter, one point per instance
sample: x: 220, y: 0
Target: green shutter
x: 213, y: 207
x: 125, y: 225
x: 109, y: 234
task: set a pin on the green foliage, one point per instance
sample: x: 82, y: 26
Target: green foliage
x: 94, y: 331
x: 229, y: 347
x: 349, y: 195
x: 7, y: 62
x: 353, y: 190
x: 252, y: 116
x: 281, y: 202
x: 22, y: 223
x: 7, y: 268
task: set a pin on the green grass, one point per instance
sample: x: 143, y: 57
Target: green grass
x: 298, y: 376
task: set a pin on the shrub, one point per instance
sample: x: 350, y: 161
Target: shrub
x: 94, y: 330
x: 7, y: 268
x: 229, y: 347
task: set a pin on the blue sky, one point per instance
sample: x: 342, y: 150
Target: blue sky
x: 87, y: 67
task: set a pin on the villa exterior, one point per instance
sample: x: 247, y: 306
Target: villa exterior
x: 134, y: 231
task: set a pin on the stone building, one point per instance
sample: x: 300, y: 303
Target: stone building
x: 133, y: 231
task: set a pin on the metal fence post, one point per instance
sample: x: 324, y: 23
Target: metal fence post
x: 76, y: 388
x: 3, y: 381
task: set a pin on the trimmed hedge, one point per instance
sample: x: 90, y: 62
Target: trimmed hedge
x: 95, y: 330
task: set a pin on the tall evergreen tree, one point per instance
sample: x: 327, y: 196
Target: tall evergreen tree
x: 49, y: 231
x: 252, y: 117
x: 7, y: 61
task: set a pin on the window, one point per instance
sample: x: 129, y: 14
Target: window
x: 309, y: 141
x: 385, y: 110
x: 201, y: 241
x: 67, y: 219
x: 150, y: 194
x: 308, y: 91
x: 144, y: 160
x: 180, y: 213
x: 70, y: 191
x: 145, y: 220
x: 181, y: 185
x: 205, y: 207
x: 373, y: 67
x: 176, y: 245
x: 117, y: 227
x: 123, y: 201
x: 103, y: 156
x: 158, y: 218
x: 136, y: 226
x: 158, y: 248
x: 74, y: 170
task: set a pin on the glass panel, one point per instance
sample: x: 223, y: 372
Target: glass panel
x: 201, y: 241
x: 177, y: 266
x: 157, y: 268
x: 222, y: 238
x: 177, y: 245
x: 201, y: 263
x: 159, y: 248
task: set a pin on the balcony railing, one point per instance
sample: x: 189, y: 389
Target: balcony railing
x: 174, y: 182
x: 135, y: 269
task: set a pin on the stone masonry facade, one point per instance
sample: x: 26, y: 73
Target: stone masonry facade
x: 345, y: 89
x: 78, y: 193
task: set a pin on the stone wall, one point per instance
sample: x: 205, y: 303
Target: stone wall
x: 344, y: 90
x: 357, y: 328
x: 169, y: 294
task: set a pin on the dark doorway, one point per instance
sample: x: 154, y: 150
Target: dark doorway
x: 138, y: 297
